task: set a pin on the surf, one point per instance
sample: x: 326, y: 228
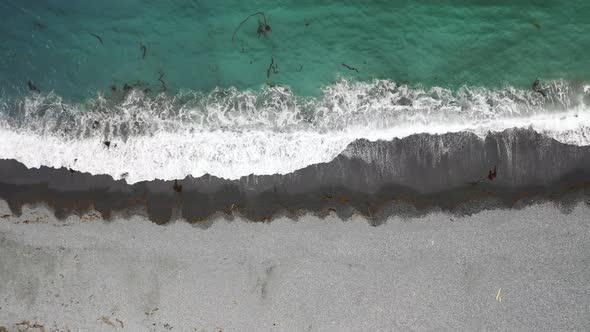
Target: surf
x: 232, y: 133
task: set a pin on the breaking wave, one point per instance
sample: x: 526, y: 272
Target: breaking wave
x: 231, y: 133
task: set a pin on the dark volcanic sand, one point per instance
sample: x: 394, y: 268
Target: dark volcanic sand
x: 409, y: 176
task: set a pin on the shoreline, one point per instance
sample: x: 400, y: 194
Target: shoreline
x: 411, y: 176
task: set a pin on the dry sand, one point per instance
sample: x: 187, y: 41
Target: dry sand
x: 497, y: 270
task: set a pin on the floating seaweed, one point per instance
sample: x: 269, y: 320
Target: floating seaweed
x: 97, y: 37
x: 537, y: 88
x: 273, y: 68
x: 350, y: 68
x: 143, y: 50
x: 33, y: 87
x: 263, y: 26
x: 164, y: 88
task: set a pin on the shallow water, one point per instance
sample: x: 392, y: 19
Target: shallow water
x: 449, y: 44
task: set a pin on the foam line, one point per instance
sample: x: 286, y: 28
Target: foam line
x: 231, y: 133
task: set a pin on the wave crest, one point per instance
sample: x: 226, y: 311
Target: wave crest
x: 231, y: 133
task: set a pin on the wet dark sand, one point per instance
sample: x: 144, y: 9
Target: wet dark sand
x: 412, y: 176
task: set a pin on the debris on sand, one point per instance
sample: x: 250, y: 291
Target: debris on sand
x: 177, y: 187
x: 492, y: 174
x: 106, y: 320
x: 151, y: 312
x: 499, y: 295
x: 28, y: 326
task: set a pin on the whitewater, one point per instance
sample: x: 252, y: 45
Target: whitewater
x: 231, y: 133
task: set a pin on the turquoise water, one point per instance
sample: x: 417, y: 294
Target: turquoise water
x: 189, y: 44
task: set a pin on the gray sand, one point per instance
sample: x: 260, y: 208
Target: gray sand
x: 497, y: 270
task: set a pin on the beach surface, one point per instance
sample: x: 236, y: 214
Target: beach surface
x: 524, y: 269
x: 294, y: 165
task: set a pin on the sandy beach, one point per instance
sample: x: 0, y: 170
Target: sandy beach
x: 496, y: 270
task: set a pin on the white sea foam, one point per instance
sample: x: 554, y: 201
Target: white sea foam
x: 232, y: 133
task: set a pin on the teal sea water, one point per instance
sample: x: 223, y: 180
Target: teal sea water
x: 151, y: 89
x: 188, y: 44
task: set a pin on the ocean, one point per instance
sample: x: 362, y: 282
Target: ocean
x: 196, y: 46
